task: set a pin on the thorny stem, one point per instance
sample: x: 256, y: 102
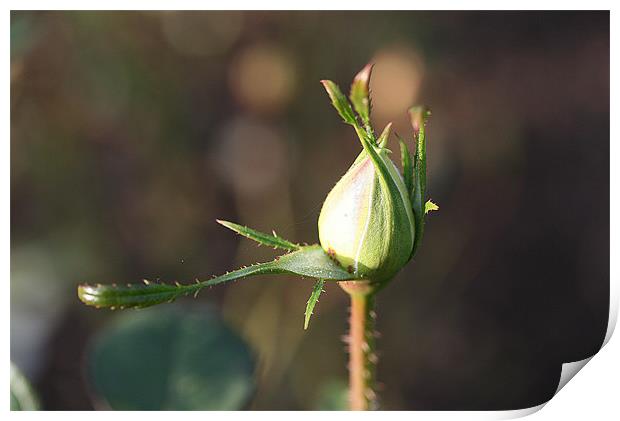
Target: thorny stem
x: 362, y: 357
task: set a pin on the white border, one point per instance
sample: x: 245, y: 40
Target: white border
x: 595, y: 393
x: 309, y: 5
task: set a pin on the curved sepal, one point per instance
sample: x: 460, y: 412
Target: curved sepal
x: 340, y: 102
x: 419, y: 116
x: 310, y: 261
x: 405, y: 158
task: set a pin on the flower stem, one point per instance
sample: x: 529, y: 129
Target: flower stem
x: 362, y: 357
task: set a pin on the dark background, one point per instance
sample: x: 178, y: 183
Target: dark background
x: 132, y: 132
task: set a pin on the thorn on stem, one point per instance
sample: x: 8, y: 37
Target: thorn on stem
x: 370, y: 394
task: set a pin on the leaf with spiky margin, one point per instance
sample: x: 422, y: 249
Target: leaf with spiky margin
x: 405, y: 158
x: 429, y: 206
x: 260, y: 237
x: 360, y: 94
x: 340, y: 102
x: 314, y: 298
x: 310, y: 261
x: 419, y: 116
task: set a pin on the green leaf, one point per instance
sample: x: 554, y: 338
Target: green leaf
x: 430, y: 206
x: 405, y: 158
x: 360, y: 94
x: 340, y: 102
x: 310, y: 261
x: 23, y: 397
x: 314, y: 298
x: 260, y: 237
x: 419, y: 116
x: 171, y: 359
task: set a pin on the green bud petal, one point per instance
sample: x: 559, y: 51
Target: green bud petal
x: 366, y: 223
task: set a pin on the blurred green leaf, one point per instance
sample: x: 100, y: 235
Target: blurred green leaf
x: 314, y: 298
x: 260, y: 237
x: 333, y: 396
x: 309, y: 261
x: 23, y: 397
x: 171, y: 360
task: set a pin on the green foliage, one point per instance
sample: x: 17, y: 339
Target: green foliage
x: 314, y: 298
x: 313, y: 262
x: 260, y: 237
x: 171, y: 360
x: 340, y: 103
x: 310, y: 261
x: 23, y: 397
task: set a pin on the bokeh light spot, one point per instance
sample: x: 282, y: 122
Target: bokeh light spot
x: 201, y: 33
x: 262, y: 78
x: 396, y: 80
x: 251, y: 155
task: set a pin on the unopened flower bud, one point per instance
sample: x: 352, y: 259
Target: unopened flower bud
x: 366, y: 223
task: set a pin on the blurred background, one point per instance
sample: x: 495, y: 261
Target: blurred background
x: 132, y: 132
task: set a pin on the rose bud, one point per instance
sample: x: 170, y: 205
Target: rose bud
x: 370, y: 219
x: 366, y: 222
